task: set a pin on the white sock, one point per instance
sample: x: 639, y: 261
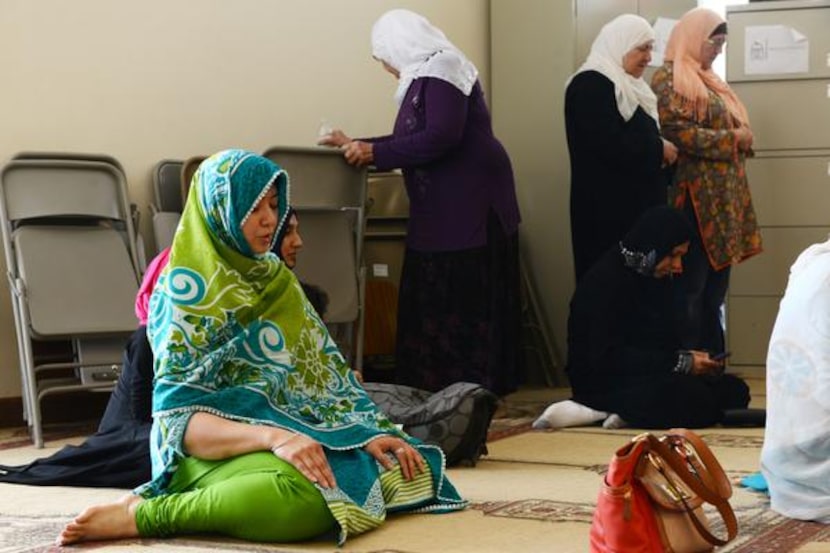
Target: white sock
x: 568, y: 413
x: 613, y: 422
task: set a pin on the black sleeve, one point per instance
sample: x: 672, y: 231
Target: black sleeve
x: 594, y: 122
x: 604, y: 314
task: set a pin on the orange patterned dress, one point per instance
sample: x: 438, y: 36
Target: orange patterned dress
x: 710, y: 171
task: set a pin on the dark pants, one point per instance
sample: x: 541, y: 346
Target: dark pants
x: 673, y: 400
x: 701, y: 291
x: 131, y: 400
x: 118, y: 454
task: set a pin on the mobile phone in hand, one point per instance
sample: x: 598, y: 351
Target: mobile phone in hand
x: 720, y: 356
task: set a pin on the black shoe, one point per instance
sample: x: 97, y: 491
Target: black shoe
x: 749, y: 417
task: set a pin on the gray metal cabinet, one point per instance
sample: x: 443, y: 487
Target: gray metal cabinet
x: 788, y: 114
x: 789, y: 109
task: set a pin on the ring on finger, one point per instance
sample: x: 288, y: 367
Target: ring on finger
x: 399, y: 451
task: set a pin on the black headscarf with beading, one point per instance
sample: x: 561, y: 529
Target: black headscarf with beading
x: 655, y: 234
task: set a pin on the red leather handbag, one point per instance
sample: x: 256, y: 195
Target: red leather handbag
x: 651, y: 500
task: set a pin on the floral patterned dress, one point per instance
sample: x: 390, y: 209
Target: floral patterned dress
x: 711, y: 172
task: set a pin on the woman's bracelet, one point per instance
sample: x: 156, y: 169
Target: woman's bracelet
x: 284, y: 442
x: 684, y: 362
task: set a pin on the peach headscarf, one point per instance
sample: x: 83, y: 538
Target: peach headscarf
x: 690, y: 80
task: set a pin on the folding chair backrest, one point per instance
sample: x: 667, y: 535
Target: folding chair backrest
x: 79, y: 280
x: 63, y: 194
x: 167, y: 185
x: 35, y: 189
x: 72, y: 156
x: 328, y: 259
x: 100, y: 158
x: 165, y: 224
x: 189, y: 168
x: 320, y: 177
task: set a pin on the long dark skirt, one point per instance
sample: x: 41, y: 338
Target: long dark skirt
x: 118, y: 454
x: 672, y: 400
x: 459, y: 316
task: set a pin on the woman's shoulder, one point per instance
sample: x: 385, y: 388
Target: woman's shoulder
x: 450, y: 61
x: 587, y: 86
x: 605, y: 280
x: 662, y: 76
x: 438, y: 85
x: 590, y: 78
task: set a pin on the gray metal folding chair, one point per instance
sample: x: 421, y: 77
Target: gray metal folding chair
x: 383, y: 253
x: 329, y: 196
x: 167, y: 205
x: 167, y: 185
x: 189, y: 168
x: 70, y: 156
x: 72, y: 267
x: 329, y: 260
x: 103, y: 158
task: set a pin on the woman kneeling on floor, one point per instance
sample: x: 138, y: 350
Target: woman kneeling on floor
x: 624, y: 354
x: 260, y: 429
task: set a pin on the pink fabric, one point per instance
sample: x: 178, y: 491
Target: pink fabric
x: 151, y: 275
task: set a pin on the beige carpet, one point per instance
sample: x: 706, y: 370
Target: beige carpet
x: 534, y: 492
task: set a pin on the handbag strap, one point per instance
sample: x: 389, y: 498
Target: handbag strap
x: 710, y: 462
x: 717, y: 496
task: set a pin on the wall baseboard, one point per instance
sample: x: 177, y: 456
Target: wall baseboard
x: 63, y: 408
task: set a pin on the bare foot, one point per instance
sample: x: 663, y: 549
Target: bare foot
x: 103, y: 522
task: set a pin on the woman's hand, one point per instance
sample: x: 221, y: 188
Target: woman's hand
x: 669, y: 152
x: 359, y: 153
x: 702, y: 364
x: 744, y: 137
x: 308, y: 457
x: 336, y: 138
x: 408, y: 457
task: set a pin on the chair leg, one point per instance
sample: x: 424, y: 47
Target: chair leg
x: 35, y: 423
x: 361, y: 319
x: 30, y: 396
x: 21, y: 345
x: 31, y: 401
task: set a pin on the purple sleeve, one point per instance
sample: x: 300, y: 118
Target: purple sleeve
x: 444, y: 120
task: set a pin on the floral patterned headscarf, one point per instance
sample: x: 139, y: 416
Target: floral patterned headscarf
x: 233, y: 334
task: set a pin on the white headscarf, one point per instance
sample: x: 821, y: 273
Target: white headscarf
x: 409, y: 43
x: 614, y: 41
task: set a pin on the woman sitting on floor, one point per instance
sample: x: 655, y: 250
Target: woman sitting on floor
x: 260, y: 429
x: 624, y: 354
x: 118, y: 454
x: 795, y: 459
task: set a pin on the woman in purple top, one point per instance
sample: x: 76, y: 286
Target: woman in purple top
x: 458, y: 308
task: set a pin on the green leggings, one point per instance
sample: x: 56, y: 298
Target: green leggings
x: 256, y: 497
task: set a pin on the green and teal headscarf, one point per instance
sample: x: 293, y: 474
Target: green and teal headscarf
x: 226, y: 213
x: 233, y: 334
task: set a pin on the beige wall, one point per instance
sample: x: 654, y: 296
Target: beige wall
x: 529, y: 69
x: 144, y: 81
